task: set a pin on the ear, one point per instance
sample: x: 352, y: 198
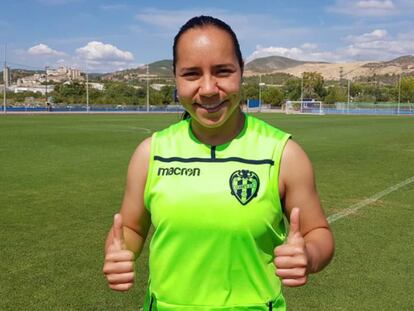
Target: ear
x: 176, y: 95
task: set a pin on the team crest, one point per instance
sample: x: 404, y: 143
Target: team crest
x: 244, y: 185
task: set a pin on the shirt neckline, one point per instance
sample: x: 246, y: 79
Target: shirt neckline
x: 222, y: 146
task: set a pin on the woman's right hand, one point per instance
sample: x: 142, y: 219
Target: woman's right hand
x: 119, y: 261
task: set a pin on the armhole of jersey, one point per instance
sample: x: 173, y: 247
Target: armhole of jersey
x: 149, y: 174
x: 276, y: 171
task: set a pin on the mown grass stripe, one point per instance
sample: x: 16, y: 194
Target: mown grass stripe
x: 354, y: 208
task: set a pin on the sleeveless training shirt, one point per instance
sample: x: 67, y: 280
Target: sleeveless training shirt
x: 217, y: 217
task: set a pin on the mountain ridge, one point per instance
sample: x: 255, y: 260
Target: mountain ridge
x: 279, y: 64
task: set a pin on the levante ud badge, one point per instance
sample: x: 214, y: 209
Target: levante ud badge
x: 244, y: 185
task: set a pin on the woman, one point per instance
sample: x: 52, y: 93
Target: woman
x: 215, y: 186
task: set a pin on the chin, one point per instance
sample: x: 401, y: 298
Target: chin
x: 211, y: 122
x: 214, y: 120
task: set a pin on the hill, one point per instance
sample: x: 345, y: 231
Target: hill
x: 273, y: 63
x: 404, y: 62
x: 162, y: 68
x: 19, y: 73
x: 332, y: 71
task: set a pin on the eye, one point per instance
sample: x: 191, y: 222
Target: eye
x: 190, y: 74
x: 224, y: 72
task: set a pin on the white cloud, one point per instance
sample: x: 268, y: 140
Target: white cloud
x: 374, y: 45
x: 375, y: 5
x: 376, y: 35
x: 364, y: 8
x: 43, y: 49
x: 96, y: 51
x: 100, y: 57
x: 309, y: 46
x: 260, y: 52
x: 379, y: 44
x: 295, y: 53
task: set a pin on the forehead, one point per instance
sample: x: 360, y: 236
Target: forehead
x: 207, y: 43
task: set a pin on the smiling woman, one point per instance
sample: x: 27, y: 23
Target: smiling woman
x: 208, y: 77
x: 216, y: 187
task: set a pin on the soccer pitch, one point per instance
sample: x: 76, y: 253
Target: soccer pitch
x: 62, y: 179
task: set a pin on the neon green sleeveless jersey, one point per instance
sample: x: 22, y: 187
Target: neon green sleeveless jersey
x: 217, y: 217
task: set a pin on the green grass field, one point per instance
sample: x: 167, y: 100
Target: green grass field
x: 62, y: 179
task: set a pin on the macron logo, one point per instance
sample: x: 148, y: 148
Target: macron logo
x: 181, y: 171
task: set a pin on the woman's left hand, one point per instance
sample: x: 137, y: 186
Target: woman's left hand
x: 291, y: 259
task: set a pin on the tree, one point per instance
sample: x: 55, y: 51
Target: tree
x: 118, y: 93
x: 407, y: 89
x: 313, y: 85
x: 167, y: 93
x: 156, y: 97
x: 292, y: 89
x: 71, y: 93
x: 273, y: 96
x: 250, y: 91
x: 336, y: 94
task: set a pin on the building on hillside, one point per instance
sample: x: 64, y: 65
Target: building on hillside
x: 63, y: 74
x: 96, y: 86
x: 144, y: 77
x: 6, y: 76
x: 157, y: 86
x: 59, y: 75
x: 36, y: 89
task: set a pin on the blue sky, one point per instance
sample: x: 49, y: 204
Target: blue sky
x: 103, y: 36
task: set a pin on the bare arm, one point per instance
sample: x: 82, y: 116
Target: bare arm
x: 136, y: 218
x: 310, y: 244
x: 127, y: 236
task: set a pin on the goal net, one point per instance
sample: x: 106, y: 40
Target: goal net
x: 308, y: 107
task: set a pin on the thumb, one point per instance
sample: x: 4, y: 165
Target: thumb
x: 294, y: 222
x: 117, y: 231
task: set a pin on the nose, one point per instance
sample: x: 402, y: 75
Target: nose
x: 208, y: 86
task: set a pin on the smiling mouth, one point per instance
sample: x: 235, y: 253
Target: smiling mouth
x: 211, y: 107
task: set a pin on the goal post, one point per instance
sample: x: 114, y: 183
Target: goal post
x: 304, y: 106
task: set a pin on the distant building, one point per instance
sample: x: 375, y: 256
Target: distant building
x: 157, y: 86
x: 6, y: 76
x: 96, y: 86
x: 59, y: 75
x: 63, y: 74
x: 36, y: 89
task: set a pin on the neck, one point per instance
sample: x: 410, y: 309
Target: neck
x: 222, y: 134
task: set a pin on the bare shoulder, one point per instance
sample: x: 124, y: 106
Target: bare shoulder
x: 297, y: 181
x: 142, y: 153
x: 295, y: 168
x: 133, y: 210
x: 294, y: 153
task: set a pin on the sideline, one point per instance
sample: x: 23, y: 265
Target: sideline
x: 355, y: 207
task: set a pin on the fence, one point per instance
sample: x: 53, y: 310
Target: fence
x: 95, y: 108
x: 319, y: 108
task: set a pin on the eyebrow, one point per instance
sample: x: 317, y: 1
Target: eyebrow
x: 225, y: 65
x: 229, y: 65
x: 189, y: 69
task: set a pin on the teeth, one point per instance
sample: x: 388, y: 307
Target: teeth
x: 210, y: 106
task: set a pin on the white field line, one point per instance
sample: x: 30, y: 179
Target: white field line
x: 354, y: 208
x: 110, y: 128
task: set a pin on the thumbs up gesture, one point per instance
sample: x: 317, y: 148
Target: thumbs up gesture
x: 291, y: 259
x: 119, y: 262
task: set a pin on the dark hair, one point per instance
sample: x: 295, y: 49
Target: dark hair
x: 203, y: 21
